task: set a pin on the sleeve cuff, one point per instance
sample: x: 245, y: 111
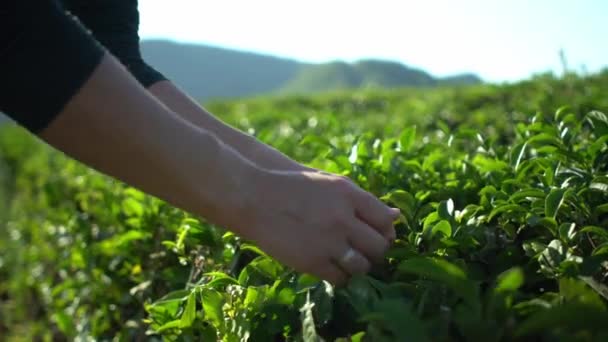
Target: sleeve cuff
x: 47, y: 63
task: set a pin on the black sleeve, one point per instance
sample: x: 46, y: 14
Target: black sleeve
x: 115, y: 24
x: 45, y: 58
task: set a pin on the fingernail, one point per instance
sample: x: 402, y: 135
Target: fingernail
x: 396, y: 212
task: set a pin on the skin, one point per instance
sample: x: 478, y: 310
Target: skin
x: 305, y: 218
x: 261, y: 154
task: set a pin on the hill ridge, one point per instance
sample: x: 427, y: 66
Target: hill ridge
x: 208, y: 72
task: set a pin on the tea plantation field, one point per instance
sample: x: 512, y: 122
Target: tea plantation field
x: 503, y: 191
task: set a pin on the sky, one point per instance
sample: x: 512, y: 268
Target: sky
x: 501, y: 41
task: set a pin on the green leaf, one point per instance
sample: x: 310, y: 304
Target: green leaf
x: 432, y: 159
x: 315, y: 140
x: 546, y: 222
x: 597, y: 231
x: 601, y: 209
x: 527, y: 194
x: 567, y: 231
x: 601, y: 249
x: 506, y: 208
x: 599, y: 122
x: 397, y: 319
x: 517, y: 154
x: 176, y: 324
x: 220, y: 279
x: 561, y: 112
x: 407, y: 138
x: 253, y: 248
x: 135, y: 194
x: 213, y: 301
x: 254, y: 297
x: 117, y: 243
x: 196, y: 230
x: 446, y: 209
x: 444, y: 272
x: 510, y: 280
x: 600, y: 288
x: 533, y: 248
x: 175, y: 295
x: 597, y: 146
x: 549, y: 176
x: 260, y: 271
x: 189, y: 312
x: 554, y: 201
x: 429, y: 221
x: 486, y: 164
x: 171, y: 302
x: 362, y: 294
x: 572, y: 289
x: 554, y: 254
x: 401, y: 252
x: 442, y: 227
x: 64, y: 322
x: 569, y: 316
x: 358, y: 337
x: 323, y: 297
x: 602, y: 187
x: 286, y: 296
x: 543, y: 140
x: 132, y: 207
x: 305, y: 282
x: 404, y: 201
x: 267, y: 266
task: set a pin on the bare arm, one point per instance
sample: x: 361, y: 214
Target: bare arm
x: 117, y: 127
x: 251, y: 148
x: 81, y: 100
x: 307, y: 220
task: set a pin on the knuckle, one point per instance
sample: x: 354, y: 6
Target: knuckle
x: 368, y: 201
x: 375, y: 203
x: 346, y: 179
x: 343, y: 184
x: 339, y: 217
x: 385, y: 245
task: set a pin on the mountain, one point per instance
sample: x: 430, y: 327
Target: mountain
x: 461, y: 79
x: 361, y: 74
x: 207, y: 72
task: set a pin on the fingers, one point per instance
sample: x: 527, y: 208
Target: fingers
x: 354, y: 256
x: 367, y: 241
x: 352, y: 261
x: 376, y: 214
x: 333, y: 273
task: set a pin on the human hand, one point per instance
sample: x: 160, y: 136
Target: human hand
x: 319, y: 223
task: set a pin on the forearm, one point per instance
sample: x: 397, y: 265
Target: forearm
x: 117, y: 127
x: 254, y: 150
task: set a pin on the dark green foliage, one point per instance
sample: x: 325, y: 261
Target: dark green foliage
x: 503, y: 234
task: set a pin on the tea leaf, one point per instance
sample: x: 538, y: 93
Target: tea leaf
x: 442, y: 271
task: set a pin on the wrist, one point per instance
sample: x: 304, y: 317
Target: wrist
x: 231, y: 189
x: 270, y: 158
x: 250, y: 202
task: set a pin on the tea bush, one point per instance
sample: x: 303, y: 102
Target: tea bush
x: 503, y: 234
